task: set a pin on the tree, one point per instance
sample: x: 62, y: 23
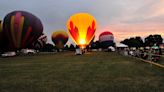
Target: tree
x: 66, y: 47
x: 153, y: 39
x: 48, y: 47
x: 95, y: 45
x: 134, y: 42
x: 72, y: 47
x: 140, y: 42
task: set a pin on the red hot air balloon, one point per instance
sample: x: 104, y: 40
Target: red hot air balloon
x: 22, y: 29
x: 106, y: 39
x: 60, y: 38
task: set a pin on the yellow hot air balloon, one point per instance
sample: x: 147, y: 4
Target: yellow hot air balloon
x: 81, y: 27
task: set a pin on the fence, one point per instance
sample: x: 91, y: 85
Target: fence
x: 148, y: 60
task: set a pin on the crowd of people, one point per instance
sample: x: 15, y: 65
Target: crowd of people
x: 147, y: 53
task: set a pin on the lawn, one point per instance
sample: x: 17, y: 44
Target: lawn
x: 92, y: 72
x: 162, y: 60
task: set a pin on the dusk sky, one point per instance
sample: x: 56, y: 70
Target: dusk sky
x: 124, y: 18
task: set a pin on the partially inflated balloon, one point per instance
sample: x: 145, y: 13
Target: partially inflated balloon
x: 106, y: 39
x: 1, y: 35
x: 22, y: 29
x: 81, y: 27
x: 41, y: 42
x: 60, y: 38
x: 1, y: 31
x: 3, y: 42
x: 0, y: 26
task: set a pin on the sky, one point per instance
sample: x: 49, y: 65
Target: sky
x: 124, y: 18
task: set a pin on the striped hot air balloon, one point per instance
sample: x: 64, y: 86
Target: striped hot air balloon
x: 1, y: 31
x: 22, y: 29
x: 0, y: 25
x: 81, y: 27
x: 59, y: 38
x: 1, y: 36
x: 41, y: 42
x: 106, y: 39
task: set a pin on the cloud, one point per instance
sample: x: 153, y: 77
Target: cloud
x: 123, y: 17
x: 122, y: 31
x: 152, y: 11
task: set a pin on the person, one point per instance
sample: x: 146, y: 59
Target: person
x: 155, y: 55
x: 142, y: 54
x: 145, y: 54
x: 126, y: 52
x: 78, y: 51
x: 160, y: 51
x: 131, y: 53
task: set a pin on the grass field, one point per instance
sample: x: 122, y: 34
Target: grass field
x: 92, y: 72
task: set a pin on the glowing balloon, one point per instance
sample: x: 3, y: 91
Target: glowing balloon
x: 106, y: 39
x: 41, y: 42
x: 60, y: 38
x: 81, y: 27
x: 22, y: 29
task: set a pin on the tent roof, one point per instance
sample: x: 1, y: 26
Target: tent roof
x: 121, y: 45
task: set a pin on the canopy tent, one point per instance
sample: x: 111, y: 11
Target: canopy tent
x: 111, y: 48
x: 155, y: 47
x: 121, y: 45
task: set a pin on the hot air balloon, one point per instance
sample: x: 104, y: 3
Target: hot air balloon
x: 1, y: 35
x: 40, y: 43
x: 0, y: 31
x: 59, y: 38
x: 3, y: 39
x: 0, y: 25
x: 106, y: 39
x: 22, y: 29
x: 81, y: 27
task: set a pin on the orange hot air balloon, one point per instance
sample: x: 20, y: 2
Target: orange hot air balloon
x: 81, y: 27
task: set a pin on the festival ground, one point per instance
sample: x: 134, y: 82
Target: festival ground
x: 91, y: 72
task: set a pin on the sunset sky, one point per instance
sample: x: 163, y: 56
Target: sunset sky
x: 125, y: 18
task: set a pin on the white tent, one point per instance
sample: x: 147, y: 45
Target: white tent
x: 120, y: 45
x: 111, y: 48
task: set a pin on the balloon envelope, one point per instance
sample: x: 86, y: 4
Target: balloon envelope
x: 22, y: 29
x: 41, y: 41
x: 0, y: 31
x: 81, y: 27
x: 106, y: 39
x: 0, y: 25
x: 1, y: 35
x: 59, y: 38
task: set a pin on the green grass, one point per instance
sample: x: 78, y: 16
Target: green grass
x: 92, y: 72
x: 161, y: 60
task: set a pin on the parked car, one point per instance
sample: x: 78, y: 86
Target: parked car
x: 8, y: 54
x: 28, y: 51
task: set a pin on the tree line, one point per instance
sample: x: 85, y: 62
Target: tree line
x: 131, y: 42
x: 139, y: 42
